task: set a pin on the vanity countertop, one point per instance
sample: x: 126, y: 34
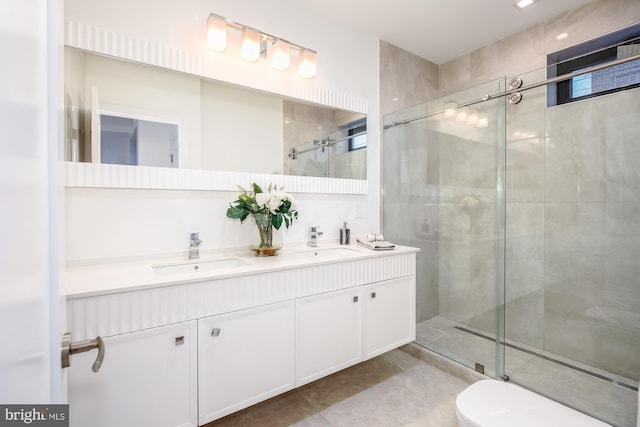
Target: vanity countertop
x: 88, y: 279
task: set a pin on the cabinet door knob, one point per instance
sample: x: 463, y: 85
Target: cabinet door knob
x: 355, y: 299
x: 215, y: 332
x: 373, y: 295
x: 180, y: 340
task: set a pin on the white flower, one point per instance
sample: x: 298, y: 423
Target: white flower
x: 273, y: 204
x: 262, y: 199
x: 294, y: 203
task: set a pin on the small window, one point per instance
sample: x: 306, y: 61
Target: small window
x: 621, y: 44
x: 357, y: 132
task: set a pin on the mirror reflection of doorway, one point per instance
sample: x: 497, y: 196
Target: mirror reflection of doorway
x: 131, y: 141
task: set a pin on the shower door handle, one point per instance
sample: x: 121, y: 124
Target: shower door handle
x: 68, y: 348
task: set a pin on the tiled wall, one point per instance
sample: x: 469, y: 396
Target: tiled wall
x: 592, y: 232
x: 407, y: 80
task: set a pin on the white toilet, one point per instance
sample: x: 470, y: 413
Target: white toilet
x: 493, y: 403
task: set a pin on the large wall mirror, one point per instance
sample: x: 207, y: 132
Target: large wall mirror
x: 122, y: 112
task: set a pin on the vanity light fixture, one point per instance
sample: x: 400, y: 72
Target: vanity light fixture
x: 250, y: 44
x: 307, y: 63
x: 450, y: 110
x: 473, y: 117
x: 483, y: 120
x: 281, y: 54
x: 256, y: 44
x: 462, y: 115
x: 216, y: 33
x: 523, y: 3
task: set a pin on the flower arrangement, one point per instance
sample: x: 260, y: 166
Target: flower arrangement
x: 269, y: 209
x: 277, y: 203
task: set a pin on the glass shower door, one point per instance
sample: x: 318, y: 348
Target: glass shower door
x: 528, y: 220
x: 572, y: 296
x: 440, y: 174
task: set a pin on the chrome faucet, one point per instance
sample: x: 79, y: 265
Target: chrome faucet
x: 313, y: 236
x: 194, y: 245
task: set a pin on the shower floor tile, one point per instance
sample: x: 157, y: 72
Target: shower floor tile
x: 616, y: 404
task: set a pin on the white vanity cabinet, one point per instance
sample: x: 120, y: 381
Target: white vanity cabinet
x: 244, y: 357
x: 328, y: 333
x: 148, y: 378
x: 189, y: 349
x: 390, y: 315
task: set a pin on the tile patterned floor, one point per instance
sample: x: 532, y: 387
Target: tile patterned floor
x: 394, y: 389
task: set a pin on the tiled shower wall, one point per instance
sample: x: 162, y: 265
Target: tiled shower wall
x: 407, y: 80
x: 592, y: 232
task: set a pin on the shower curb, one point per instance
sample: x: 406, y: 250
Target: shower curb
x: 447, y: 365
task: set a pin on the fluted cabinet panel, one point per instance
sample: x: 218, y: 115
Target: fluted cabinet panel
x: 97, y: 175
x: 123, y: 312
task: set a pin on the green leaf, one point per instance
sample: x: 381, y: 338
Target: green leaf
x: 236, y: 213
x: 256, y: 188
x: 277, y: 221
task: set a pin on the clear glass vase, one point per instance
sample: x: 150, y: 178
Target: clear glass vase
x: 265, y: 230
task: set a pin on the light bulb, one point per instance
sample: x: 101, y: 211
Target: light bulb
x: 524, y: 3
x: 307, y: 63
x: 483, y: 120
x: 216, y: 33
x: 250, y: 45
x: 450, y: 110
x: 473, y: 116
x: 281, y: 57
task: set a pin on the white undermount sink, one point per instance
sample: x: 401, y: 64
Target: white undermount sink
x: 197, y: 266
x: 328, y: 252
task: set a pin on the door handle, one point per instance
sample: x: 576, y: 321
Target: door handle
x: 69, y: 348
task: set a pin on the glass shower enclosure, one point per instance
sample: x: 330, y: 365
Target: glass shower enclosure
x: 527, y: 215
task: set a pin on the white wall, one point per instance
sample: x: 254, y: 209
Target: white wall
x: 156, y: 221
x: 241, y: 130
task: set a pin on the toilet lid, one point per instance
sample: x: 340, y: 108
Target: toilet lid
x: 492, y: 403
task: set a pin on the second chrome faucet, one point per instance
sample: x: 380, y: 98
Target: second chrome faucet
x: 194, y: 245
x: 314, y: 233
